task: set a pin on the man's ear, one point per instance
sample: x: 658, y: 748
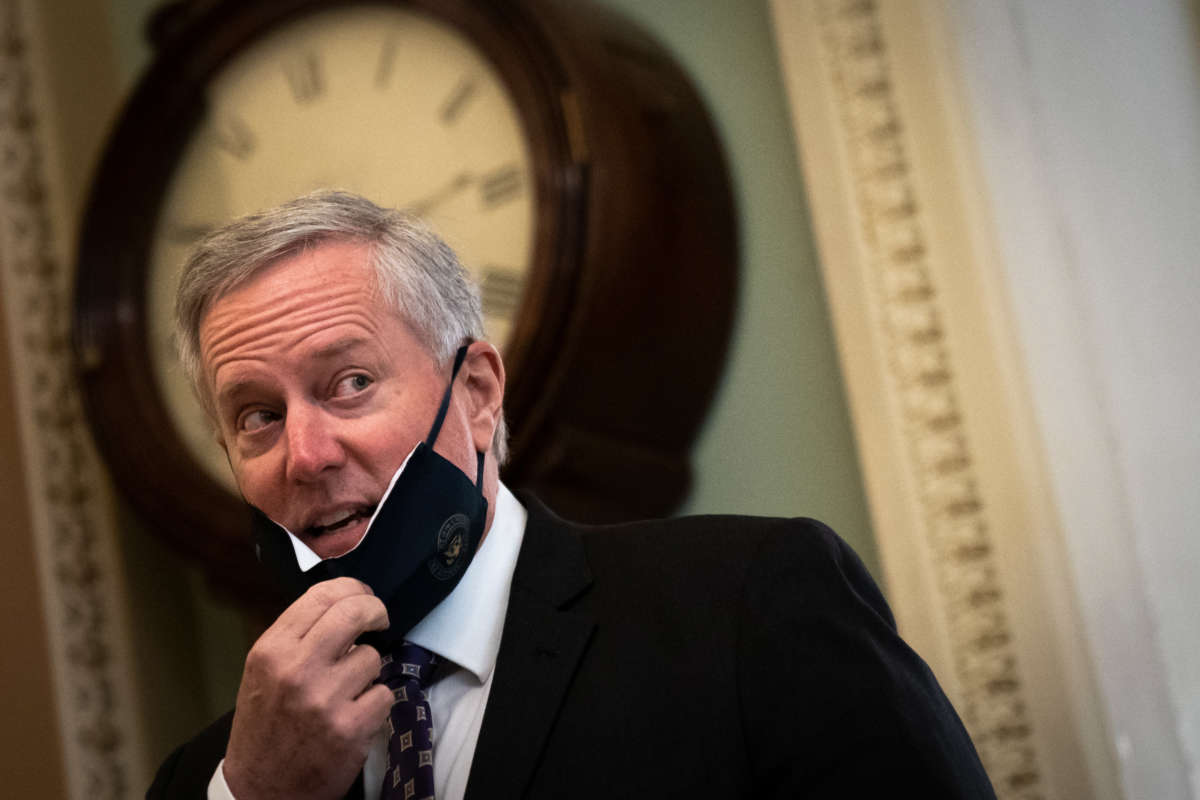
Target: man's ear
x: 483, y: 378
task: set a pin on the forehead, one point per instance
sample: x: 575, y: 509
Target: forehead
x: 331, y: 272
x: 294, y: 302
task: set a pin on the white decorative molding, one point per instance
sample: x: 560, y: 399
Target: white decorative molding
x: 907, y: 309
x: 950, y: 454
x: 74, y: 533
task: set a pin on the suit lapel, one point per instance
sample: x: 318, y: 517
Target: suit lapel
x: 539, y: 654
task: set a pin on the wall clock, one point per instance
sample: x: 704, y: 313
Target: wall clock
x: 561, y: 153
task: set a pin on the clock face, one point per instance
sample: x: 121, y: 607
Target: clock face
x: 383, y: 101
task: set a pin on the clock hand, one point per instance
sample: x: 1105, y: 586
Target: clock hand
x: 436, y: 198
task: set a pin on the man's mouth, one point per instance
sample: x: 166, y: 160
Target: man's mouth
x: 338, y: 520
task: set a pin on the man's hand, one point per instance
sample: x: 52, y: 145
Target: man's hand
x: 307, y: 709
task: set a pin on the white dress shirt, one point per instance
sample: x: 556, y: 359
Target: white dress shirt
x: 464, y: 629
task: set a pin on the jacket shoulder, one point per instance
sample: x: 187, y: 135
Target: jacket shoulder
x: 736, y: 551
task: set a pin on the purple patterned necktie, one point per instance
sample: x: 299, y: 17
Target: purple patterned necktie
x: 409, y: 773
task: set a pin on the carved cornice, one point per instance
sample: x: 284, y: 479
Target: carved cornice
x: 67, y: 485
x: 905, y: 309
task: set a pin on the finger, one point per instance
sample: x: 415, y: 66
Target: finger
x: 356, y: 723
x: 331, y: 636
x: 357, y: 671
x: 298, y: 618
x: 370, y: 709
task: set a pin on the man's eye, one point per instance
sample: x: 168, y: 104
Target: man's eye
x: 256, y: 420
x: 351, y: 385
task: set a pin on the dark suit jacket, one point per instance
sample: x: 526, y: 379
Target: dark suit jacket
x: 702, y: 657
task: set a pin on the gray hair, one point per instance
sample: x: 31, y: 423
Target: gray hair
x: 420, y: 277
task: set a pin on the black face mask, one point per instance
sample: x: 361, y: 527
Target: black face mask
x: 417, y: 545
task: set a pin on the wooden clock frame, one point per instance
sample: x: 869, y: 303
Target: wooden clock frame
x: 623, y: 328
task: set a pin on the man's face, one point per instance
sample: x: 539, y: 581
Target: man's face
x: 321, y: 391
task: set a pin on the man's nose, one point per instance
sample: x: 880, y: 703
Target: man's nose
x: 313, y: 444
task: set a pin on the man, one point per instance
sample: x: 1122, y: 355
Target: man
x: 712, y: 657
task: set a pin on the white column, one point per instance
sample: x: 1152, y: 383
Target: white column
x: 1086, y: 120
x: 74, y: 533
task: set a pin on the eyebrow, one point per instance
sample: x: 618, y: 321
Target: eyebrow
x: 230, y: 392
x: 339, y: 347
x: 227, y: 399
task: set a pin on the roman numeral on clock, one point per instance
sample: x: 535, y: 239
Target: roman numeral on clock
x: 454, y: 104
x: 500, y: 186
x: 234, y: 136
x: 387, y: 57
x: 304, y: 77
x: 500, y: 291
x: 187, y: 233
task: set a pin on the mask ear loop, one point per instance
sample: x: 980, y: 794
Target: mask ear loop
x: 459, y: 357
x: 441, y: 414
x: 479, y: 471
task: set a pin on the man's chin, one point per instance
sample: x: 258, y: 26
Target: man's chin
x: 338, y: 542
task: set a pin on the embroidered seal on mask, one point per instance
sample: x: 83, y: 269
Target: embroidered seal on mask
x: 450, y: 545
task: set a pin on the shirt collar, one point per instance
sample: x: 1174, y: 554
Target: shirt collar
x: 466, y: 626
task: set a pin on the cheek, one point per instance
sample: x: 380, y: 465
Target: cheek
x: 379, y: 442
x: 385, y: 450
x: 254, y: 482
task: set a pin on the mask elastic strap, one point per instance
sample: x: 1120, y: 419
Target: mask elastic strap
x: 441, y: 415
